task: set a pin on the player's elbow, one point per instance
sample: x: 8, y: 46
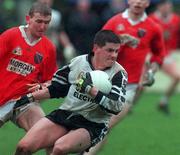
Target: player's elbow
x: 120, y: 106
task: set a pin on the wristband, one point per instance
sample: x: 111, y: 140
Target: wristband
x: 88, y: 89
x: 40, y: 86
x: 30, y: 97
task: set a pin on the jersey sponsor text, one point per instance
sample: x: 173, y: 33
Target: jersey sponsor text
x: 83, y: 97
x: 20, y: 67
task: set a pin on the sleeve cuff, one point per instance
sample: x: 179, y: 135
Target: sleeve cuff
x: 99, y: 97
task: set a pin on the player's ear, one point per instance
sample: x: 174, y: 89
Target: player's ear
x: 27, y: 19
x: 95, y: 47
x: 148, y: 3
x: 128, y: 2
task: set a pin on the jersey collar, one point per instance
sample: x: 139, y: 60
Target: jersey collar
x: 21, y: 28
x: 126, y: 16
x: 89, y: 59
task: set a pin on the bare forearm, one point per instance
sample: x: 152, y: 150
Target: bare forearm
x: 154, y: 67
x: 41, y: 94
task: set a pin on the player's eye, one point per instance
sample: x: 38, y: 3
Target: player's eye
x: 110, y: 50
x: 46, y: 22
x: 39, y: 21
x: 116, y: 51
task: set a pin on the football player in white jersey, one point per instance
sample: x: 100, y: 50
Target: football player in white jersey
x: 82, y: 120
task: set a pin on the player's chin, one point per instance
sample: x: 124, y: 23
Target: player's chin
x: 40, y: 34
x: 110, y: 63
x: 138, y: 10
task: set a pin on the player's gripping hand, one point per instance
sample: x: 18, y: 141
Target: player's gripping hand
x: 23, y: 101
x: 149, y: 78
x: 84, y: 84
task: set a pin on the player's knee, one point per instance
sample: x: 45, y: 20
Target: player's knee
x: 60, y: 148
x: 24, y: 147
x: 57, y: 150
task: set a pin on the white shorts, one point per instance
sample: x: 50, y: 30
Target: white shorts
x: 7, y: 113
x: 169, y: 59
x: 170, y: 66
x: 130, y: 93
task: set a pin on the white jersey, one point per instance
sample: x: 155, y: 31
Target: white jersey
x: 99, y: 109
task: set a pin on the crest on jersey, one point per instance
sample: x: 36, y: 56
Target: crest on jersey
x: 17, y: 51
x: 141, y: 32
x: 38, y: 57
x: 80, y: 75
x: 120, y: 27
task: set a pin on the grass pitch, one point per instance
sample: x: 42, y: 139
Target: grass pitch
x: 145, y: 131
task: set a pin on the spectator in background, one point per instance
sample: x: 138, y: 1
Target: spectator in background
x: 8, y: 12
x: 22, y: 9
x: 2, y: 25
x: 58, y: 36
x: 170, y: 23
x: 114, y: 7
x: 82, y: 24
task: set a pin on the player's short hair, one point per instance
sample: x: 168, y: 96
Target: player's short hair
x: 41, y: 8
x: 106, y: 36
x: 163, y: 2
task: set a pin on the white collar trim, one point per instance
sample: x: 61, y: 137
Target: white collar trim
x: 125, y: 14
x: 21, y: 28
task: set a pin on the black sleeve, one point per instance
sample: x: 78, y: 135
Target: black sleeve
x: 114, y: 101
x: 60, y: 85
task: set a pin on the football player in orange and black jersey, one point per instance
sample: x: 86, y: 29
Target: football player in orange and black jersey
x: 28, y: 61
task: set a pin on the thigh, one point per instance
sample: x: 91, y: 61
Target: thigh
x: 75, y: 141
x: 28, y: 116
x: 43, y: 134
x: 170, y: 68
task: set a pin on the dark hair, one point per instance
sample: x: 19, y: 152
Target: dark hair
x: 163, y: 2
x: 105, y: 36
x: 41, y: 8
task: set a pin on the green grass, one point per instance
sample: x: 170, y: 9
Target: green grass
x: 145, y: 131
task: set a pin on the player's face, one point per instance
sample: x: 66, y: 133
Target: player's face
x: 38, y: 24
x: 107, y: 54
x: 165, y: 8
x: 138, y: 7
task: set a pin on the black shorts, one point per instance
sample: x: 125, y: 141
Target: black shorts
x: 73, y: 121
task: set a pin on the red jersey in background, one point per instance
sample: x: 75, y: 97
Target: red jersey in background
x: 23, y: 63
x: 150, y: 39
x: 171, y: 28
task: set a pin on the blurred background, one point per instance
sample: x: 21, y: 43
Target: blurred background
x: 77, y: 21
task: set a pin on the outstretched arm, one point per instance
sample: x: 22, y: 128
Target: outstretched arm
x: 148, y: 76
x: 59, y: 88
